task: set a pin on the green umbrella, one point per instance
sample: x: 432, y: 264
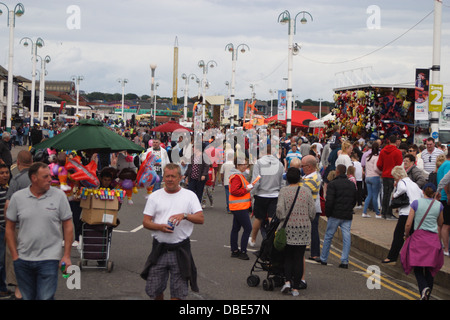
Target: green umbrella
x: 90, y: 135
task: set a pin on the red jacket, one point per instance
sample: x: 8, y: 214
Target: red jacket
x: 390, y: 156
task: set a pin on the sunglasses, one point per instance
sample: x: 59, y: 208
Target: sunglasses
x: 411, y: 150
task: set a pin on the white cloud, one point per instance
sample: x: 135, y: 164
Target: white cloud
x: 120, y: 39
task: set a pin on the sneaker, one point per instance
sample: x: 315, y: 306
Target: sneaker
x: 391, y: 218
x: 446, y: 253
x: 243, y: 256
x: 286, y: 288
x: 295, y: 293
x: 426, y: 294
x: 358, y: 207
x: 203, y: 206
x: 343, y: 266
x: 251, y: 242
x: 365, y: 215
x: 378, y: 216
x: 235, y: 254
x: 75, y: 244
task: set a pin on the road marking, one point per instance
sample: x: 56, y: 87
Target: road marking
x: 251, y: 250
x: 408, y: 294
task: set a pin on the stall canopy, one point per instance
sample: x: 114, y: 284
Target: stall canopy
x: 299, y: 118
x: 170, y: 126
x: 320, y: 123
x: 90, y: 135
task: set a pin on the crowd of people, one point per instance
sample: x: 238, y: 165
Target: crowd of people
x: 297, y: 180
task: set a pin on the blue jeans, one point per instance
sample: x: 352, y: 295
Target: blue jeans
x: 197, y: 187
x: 373, y: 191
x: 37, y: 280
x: 241, y: 218
x: 315, y: 238
x: 332, y: 226
x: 227, y: 194
x: 157, y: 185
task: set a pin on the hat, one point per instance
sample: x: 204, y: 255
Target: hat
x: 429, y: 185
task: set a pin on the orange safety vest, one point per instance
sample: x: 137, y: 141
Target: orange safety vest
x: 240, y: 203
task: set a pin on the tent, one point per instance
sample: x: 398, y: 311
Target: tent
x: 90, y: 135
x: 170, y: 126
x: 320, y: 123
x: 299, y: 118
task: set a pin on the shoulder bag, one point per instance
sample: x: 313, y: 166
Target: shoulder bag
x: 279, y: 242
x: 400, y: 201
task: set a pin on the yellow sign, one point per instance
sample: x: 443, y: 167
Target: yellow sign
x: 436, y: 97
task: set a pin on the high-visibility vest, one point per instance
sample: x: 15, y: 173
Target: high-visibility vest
x: 240, y: 203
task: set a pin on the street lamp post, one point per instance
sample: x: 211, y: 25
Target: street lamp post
x: 152, y: 94
x: 205, y: 67
x: 123, y: 82
x: 320, y: 108
x: 19, y: 10
x: 154, y: 101
x: 285, y: 17
x: 77, y: 80
x: 39, y: 43
x: 44, y: 62
x: 234, y: 53
x: 186, y: 90
x: 436, y: 68
x: 272, y: 92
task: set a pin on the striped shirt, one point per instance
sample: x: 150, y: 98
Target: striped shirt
x: 312, y: 182
x: 3, y: 191
x: 429, y: 159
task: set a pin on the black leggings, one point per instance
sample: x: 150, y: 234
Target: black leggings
x: 424, y: 278
x: 293, y: 264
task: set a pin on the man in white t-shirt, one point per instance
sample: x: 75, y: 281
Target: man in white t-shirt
x: 170, y: 213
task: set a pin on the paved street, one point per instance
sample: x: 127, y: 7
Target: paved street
x: 220, y: 277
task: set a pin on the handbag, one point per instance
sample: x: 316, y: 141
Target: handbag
x: 280, y: 240
x: 405, y: 255
x: 400, y: 201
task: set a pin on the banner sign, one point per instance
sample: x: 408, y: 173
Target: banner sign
x: 282, y: 103
x: 436, y: 97
x: 421, y: 94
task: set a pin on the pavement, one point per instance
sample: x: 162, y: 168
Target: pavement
x: 371, y: 241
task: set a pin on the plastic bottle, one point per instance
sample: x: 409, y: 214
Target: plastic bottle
x: 63, y: 270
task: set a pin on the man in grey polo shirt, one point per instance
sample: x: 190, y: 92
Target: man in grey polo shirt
x: 40, y: 210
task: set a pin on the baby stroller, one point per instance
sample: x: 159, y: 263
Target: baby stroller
x: 268, y: 260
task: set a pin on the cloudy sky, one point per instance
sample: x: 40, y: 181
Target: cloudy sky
x: 380, y: 40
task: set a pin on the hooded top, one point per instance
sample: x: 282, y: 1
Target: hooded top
x: 390, y: 156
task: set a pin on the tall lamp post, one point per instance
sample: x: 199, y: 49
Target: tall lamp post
x: 123, y: 82
x: 19, y: 10
x: 436, y: 68
x: 205, y: 67
x: 272, y: 92
x: 152, y: 94
x: 39, y: 43
x: 186, y: 90
x: 283, y: 18
x: 234, y: 53
x: 43, y: 73
x: 77, y: 80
